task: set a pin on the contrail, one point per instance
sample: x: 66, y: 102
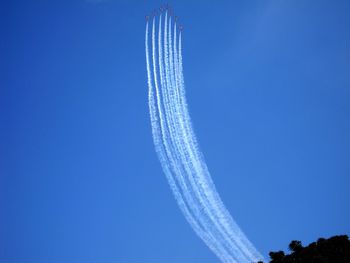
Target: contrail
x: 178, y: 149
x: 160, y: 132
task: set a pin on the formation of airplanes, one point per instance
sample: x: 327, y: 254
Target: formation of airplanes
x: 164, y: 8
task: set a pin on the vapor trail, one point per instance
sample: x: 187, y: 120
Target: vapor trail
x: 162, y: 145
x: 178, y: 150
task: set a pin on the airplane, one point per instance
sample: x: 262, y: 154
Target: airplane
x: 147, y: 18
x: 176, y: 18
x: 181, y: 27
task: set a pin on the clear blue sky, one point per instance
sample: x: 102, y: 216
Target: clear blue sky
x: 268, y: 85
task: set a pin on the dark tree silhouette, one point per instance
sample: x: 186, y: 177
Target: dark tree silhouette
x: 332, y: 250
x: 276, y: 256
x: 295, y: 246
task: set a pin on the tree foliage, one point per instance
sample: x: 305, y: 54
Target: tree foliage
x: 332, y: 250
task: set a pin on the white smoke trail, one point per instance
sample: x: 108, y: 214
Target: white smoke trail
x: 192, y: 169
x: 221, y: 213
x: 168, y: 96
x: 179, y: 154
x: 234, y: 231
x: 159, y: 131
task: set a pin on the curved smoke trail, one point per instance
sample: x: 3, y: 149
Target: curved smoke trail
x: 178, y: 150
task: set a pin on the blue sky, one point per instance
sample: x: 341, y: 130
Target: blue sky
x: 268, y: 88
